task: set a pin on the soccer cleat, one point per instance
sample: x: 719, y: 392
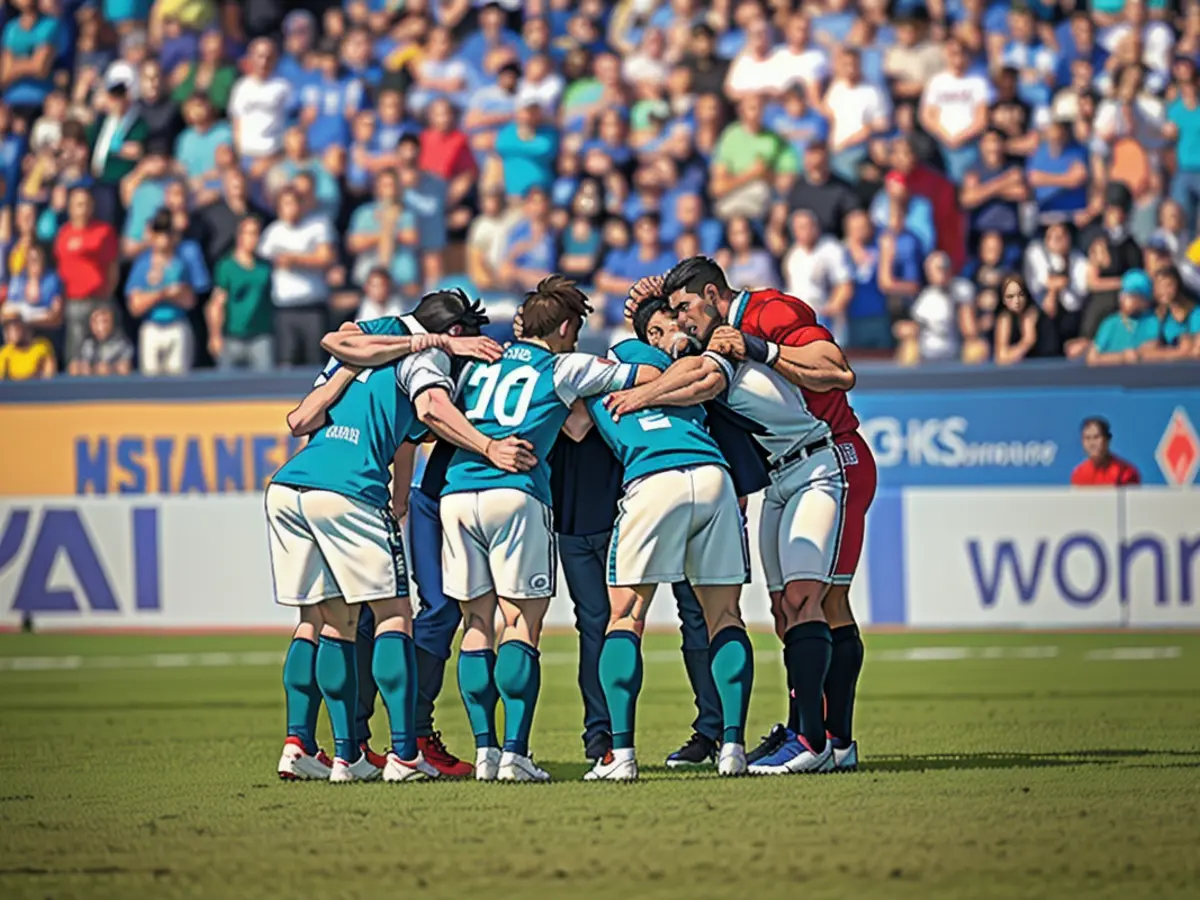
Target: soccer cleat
x: 297, y: 764
x: 779, y: 735
x: 732, y: 760
x: 514, y: 767
x: 446, y: 763
x: 359, y: 770
x: 795, y: 756
x: 417, y: 769
x: 378, y: 760
x: 845, y: 759
x: 615, y: 765
x: 698, y: 751
x: 487, y: 763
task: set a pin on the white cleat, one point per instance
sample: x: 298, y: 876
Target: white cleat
x: 615, y: 765
x: 359, y: 770
x: 845, y: 759
x: 796, y: 757
x: 487, y: 763
x: 414, y: 770
x: 514, y: 767
x: 296, y: 764
x: 732, y: 760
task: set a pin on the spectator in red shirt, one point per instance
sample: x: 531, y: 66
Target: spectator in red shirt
x: 948, y: 219
x: 446, y: 153
x: 1101, y: 467
x: 87, y: 253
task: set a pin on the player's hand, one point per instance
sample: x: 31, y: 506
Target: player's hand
x: 642, y: 288
x: 511, y: 454
x: 519, y: 323
x: 422, y: 342
x: 475, y: 347
x: 728, y: 342
x: 623, y: 403
x: 400, y: 503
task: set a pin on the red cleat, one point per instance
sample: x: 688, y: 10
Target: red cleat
x: 443, y: 760
x: 378, y: 760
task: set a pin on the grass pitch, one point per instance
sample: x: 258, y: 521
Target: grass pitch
x: 1018, y: 765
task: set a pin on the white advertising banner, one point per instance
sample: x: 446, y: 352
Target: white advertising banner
x: 1160, y: 557
x: 1007, y: 557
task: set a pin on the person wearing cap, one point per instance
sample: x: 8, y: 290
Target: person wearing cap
x: 1101, y: 468
x: 23, y: 356
x: 116, y: 139
x: 1119, y: 335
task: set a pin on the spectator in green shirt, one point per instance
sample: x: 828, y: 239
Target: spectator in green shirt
x: 240, y: 314
x: 116, y: 141
x: 749, y: 163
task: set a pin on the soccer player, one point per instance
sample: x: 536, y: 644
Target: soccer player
x: 679, y: 518
x: 497, y: 545
x: 789, y: 384
x: 335, y: 544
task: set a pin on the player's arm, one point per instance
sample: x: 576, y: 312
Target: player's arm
x: 402, y: 470
x: 438, y: 413
x: 370, y: 350
x: 310, y: 414
x: 578, y: 423
x: 687, y: 382
x: 803, y: 353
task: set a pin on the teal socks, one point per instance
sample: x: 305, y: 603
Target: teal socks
x: 621, y: 681
x: 479, y: 696
x: 337, y: 676
x: 394, y: 667
x: 518, y: 677
x: 731, y: 659
x: 300, y: 691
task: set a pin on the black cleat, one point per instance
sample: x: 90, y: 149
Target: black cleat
x: 775, y: 738
x: 698, y: 751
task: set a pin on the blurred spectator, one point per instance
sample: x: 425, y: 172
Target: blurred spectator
x: 869, y: 326
x: 142, y: 194
x: 1101, y: 466
x: 933, y: 331
x: 913, y: 61
x: 855, y: 110
x: 240, y: 316
x: 425, y: 194
x: 1121, y: 333
x: 530, y: 251
x: 299, y: 246
x: 1022, y: 329
x: 88, y: 255
x: 1057, y: 276
x: 116, y: 139
x: 216, y: 223
x: 747, y: 163
x: 383, y: 234
x: 439, y: 73
x: 37, y: 294
x: 155, y: 108
x: 645, y: 256
x: 329, y: 98
x: 745, y: 261
x: 993, y: 190
x: 28, y: 47
x: 105, y: 350
x: 258, y: 109
x: 1184, y: 114
x: 445, y: 152
x: 1111, y: 253
x: 918, y: 211
x: 485, y: 241
x: 1058, y: 173
x: 160, y: 295
x: 527, y: 149
x: 817, y: 268
x: 379, y: 300
x: 1172, y: 330
x: 954, y: 109
x: 23, y: 356
x: 755, y: 69
x: 197, y: 148
x: 210, y: 74
x: 492, y: 107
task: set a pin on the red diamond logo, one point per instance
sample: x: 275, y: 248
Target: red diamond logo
x: 1178, y: 452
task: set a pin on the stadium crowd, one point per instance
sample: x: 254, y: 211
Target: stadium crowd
x: 192, y: 182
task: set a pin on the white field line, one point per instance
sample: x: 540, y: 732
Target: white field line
x: 558, y: 658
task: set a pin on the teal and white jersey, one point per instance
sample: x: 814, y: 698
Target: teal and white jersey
x: 352, y: 454
x: 526, y: 393
x: 657, y: 439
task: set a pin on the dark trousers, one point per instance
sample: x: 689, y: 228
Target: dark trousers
x: 437, y: 619
x: 298, y: 333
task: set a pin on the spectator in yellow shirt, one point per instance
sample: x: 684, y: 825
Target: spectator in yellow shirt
x: 23, y: 356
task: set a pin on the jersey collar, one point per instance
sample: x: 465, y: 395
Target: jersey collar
x: 737, y: 308
x: 413, y: 326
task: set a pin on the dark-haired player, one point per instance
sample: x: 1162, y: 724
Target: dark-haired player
x: 788, y: 381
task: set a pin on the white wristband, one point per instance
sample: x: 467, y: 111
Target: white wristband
x: 772, y: 353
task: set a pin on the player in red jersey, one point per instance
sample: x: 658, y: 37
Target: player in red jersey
x: 789, y: 382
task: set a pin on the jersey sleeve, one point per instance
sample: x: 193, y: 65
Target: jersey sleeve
x: 727, y: 368
x: 389, y: 325
x: 326, y: 373
x: 583, y: 375
x: 783, y: 321
x: 422, y: 371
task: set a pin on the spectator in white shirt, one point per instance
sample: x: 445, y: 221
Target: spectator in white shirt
x: 754, y: 70
x: 647, y: 64
x: 856, y: 112
x: 932, y: 332
x: 1057, y: 276
x: 379, y: 299
x: 258, y: 109
x: 1155, y: 38
x: 954, y: 110
x: 300, y: 248
x: 798, y: 61
x: 817, y: 270
x: 1131, y: 113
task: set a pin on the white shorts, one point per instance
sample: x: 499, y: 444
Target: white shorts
x: 499, y: 540
x: 326, y: 545
x: 801, y: 523
x: 682, y: 523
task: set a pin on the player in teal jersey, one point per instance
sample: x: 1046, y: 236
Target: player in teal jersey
x: 679, y: 518
x: 334, y: 543
x: 498, y: 545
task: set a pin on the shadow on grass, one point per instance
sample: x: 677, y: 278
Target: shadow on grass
x: 967, y: 761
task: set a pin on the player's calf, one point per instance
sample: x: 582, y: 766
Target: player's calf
x: 621, y: 679
x: 731, y: 660
x: 477, y: 684
x: 841, y: 683
x: 337, y: 676
x: 518, y: 677
x: 394, y: 667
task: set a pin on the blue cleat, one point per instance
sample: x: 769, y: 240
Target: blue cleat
x: 794, y: 755
x: 771, y: 742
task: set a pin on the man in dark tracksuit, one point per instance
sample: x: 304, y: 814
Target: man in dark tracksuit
x: 585, y: 485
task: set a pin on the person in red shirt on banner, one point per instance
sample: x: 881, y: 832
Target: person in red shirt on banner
x: 1101, y: 467
x: 772, y: 364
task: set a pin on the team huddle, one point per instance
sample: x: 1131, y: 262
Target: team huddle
x: 721, y: 394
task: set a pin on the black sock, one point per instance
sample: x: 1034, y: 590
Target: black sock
x: 845, y: 663
x: 431, y: 672
x: 793, y: 719
x: 806, y: 651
